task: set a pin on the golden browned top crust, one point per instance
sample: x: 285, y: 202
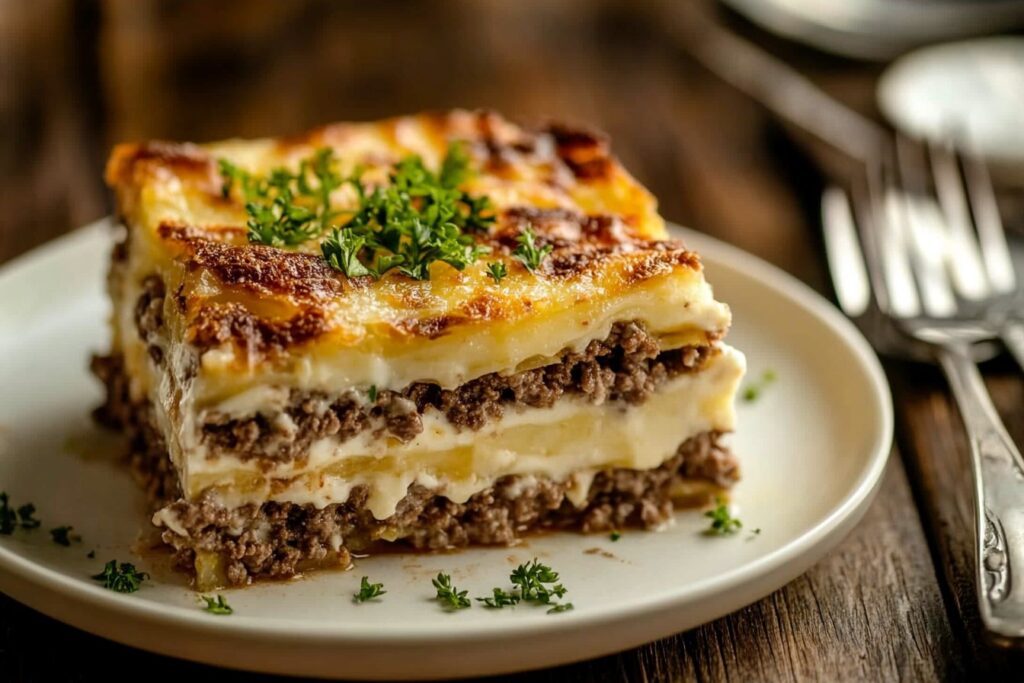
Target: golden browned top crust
x: 262, y: 303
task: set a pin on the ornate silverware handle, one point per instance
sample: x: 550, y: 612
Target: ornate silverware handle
x: 999, y: 497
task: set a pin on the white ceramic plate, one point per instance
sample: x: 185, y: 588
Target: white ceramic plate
x: 971, y: 92
x: 813, y: 449
x: 879, y: 29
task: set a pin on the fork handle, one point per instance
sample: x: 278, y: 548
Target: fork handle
x: 1012, y: 335
x: 999, y: 497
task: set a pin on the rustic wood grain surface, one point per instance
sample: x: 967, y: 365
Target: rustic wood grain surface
x: 893, y: 601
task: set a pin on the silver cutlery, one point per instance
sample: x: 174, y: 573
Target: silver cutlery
x: 941, y: 285
x: 920, y: 310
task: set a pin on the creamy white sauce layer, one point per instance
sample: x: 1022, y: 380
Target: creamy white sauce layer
x: 573, y: 439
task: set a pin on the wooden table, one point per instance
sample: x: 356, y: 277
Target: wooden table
x: 894, y: 600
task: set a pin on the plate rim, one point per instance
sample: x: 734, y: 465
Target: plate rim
x: 14, y: 567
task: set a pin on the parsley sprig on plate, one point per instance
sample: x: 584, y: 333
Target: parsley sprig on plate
x: 121, y: 577
x: 420, y: 217
x: 450, y: 597
x: 722, y: 521
x: 535, y: 583
x: 500, y: 598
x: 62, y: 535
x: 368, y: 591
x: 12, y: 518
x: 216, y: 604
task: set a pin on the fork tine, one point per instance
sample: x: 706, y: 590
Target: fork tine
x: 926, y: 241
x: 863, y: 224
x: 846, y: 262
x: 995, y: 252
x: 889, y: 244
x: 891, y: 284
x: 925, y: 230
x: 965, y: 256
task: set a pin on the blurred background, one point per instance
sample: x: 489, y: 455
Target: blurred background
x: 77, y: 76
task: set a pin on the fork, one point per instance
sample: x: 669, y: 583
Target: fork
x: 906, y: 237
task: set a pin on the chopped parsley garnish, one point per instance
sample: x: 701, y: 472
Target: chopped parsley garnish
x: 418, y: 218
x: 615, y: 535
x: 285, y: 208
x: 534, y: 583
x: 122, y: 578
x: 753, y: 390
x: 722, y: 521
x: 497, y: 270
x: 368, y: 591
x: 528, y: 252
x: 533, y: 578
x: 216, y: 604
x: 450, y: 597
x: 11, y: 519
x: 62, y: 535
x: 341, y: 250
x: 372, y: 393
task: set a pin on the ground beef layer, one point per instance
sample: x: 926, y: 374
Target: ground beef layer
x: 277, y: 540
x: 628, y: 366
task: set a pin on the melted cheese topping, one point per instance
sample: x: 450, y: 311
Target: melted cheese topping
x: 254, y: 315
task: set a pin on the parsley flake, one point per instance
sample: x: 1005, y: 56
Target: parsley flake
x: 754, y: 390
x: 368, y: 591
x: 450, y: 597
x: 25, y: 514
x: 11, y: 518
x: 372, y: 393
x: 500, y: 598
x: 722, y: 521
x: 561, y: 607
x: 527, y: 252
x: 216, y: 604
x: 121, y: 578
x: 62, y: 535
x: 497, y: 270
x: 615, y: 535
